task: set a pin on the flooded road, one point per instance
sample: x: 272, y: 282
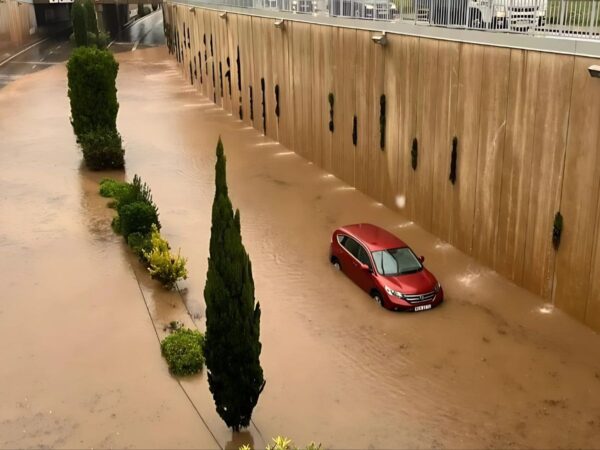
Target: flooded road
x: 54, y: 50
x: 491, y: 368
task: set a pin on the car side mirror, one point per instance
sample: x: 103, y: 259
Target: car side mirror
x: 422, y: 259
x: 365, y: 267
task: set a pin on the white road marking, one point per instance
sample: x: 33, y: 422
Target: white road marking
x: 22, y: 51
x: 46, y: 63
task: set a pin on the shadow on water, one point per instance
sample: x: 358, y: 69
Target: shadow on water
x: 238, y: 439
x: 97, y: 215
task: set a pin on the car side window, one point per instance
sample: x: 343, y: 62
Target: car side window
x: 352, y: 246
x: 363, y: 256
x: 342, y: 239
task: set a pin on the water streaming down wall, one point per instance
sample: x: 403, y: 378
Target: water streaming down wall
x: 526, y: 123
x: 17, y: 22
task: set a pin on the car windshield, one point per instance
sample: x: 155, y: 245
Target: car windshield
x: 397, y: 261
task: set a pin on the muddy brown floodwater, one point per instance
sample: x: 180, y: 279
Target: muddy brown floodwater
x: 493, y: 367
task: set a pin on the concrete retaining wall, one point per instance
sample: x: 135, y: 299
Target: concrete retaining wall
x: 527, y: 125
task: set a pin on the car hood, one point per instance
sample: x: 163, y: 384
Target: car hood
x: 412, y: 283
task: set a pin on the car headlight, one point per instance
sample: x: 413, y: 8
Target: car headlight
x: 437, y: 287
x: 393, y: 292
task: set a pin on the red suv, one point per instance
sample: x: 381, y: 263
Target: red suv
x: 385, y: 267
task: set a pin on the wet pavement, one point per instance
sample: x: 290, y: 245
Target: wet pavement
x: 54, y: 50
x: 492, y: 367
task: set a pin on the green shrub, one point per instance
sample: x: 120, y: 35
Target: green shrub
x: 137, y: 192
x: 78, y: 19
x: 184, y: 351
x: 283, y: 443
x: 140, y: 244
x: 102, y: 149
x: 163, y: 266
x: 116, y: 224
x: 136, y: 217
x: 99, y: 40
x: 112, y: 188
x: 92, y: 77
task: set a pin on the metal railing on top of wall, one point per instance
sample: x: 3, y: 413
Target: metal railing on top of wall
x: 566, y: 18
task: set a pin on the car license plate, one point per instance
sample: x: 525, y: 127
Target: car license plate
x: 422, y: 307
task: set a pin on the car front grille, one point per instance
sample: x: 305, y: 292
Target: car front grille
x: 420, y: 298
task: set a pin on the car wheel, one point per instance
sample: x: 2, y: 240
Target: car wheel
x: 379, y: 299
x: 336, y: 264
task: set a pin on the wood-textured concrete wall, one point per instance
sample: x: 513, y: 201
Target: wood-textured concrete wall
x: 527, y: 126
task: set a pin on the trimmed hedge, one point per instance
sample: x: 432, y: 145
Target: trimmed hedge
x: 92, y: 77
x: 102, y: 149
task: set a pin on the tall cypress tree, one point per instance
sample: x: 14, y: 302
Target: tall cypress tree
x: 78, y: 17
x: 232, y: 345
x: 91, y: 19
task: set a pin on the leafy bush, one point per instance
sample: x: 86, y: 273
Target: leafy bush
x: 136, y: 217
x: 184, y: 351
x: 283, y: 443
x: 99, y: 40
x: 116, y: 224
x: 102, y: 149
x: 163, y: 266
x: 92, y: 77
x: 112, y: 188
x: 140, y: 244
x: 138, y: 192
